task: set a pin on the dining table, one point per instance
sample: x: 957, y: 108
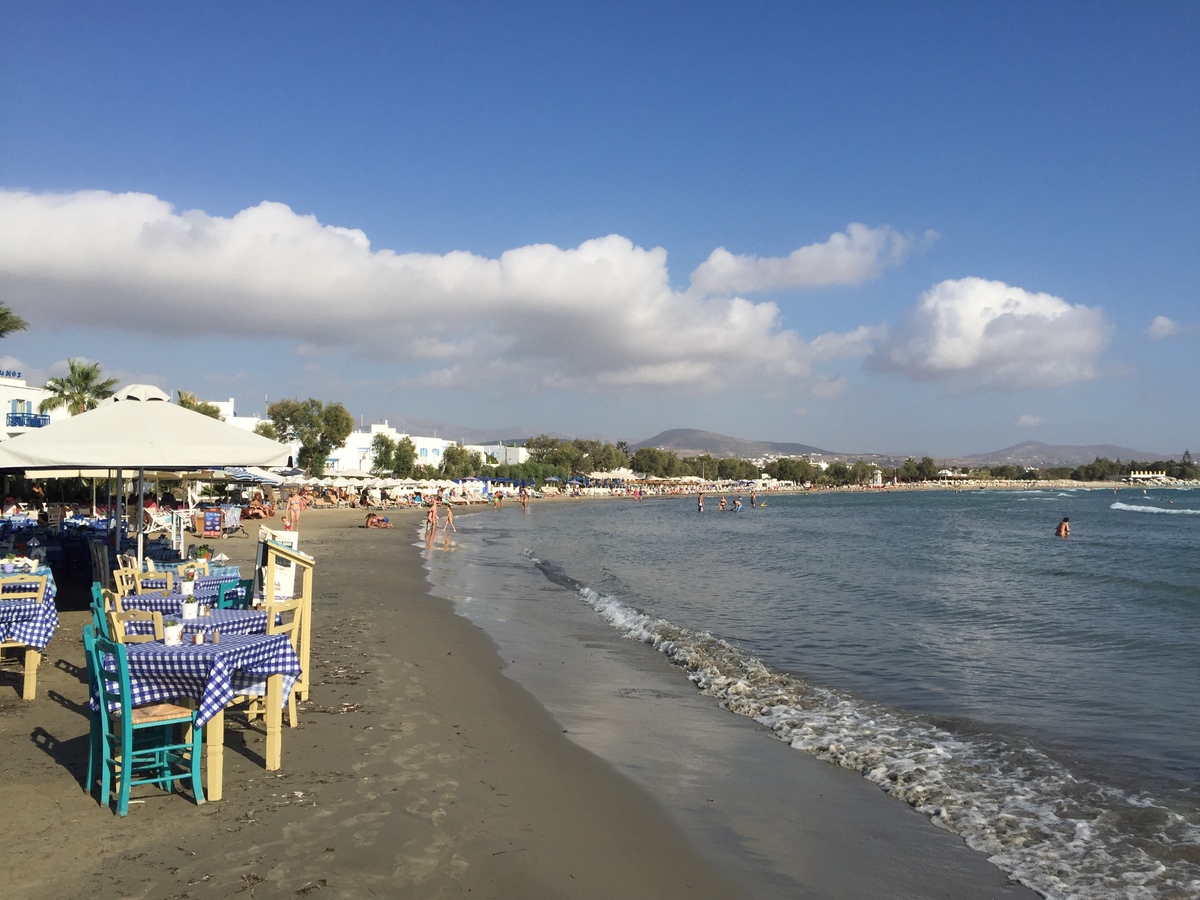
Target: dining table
x: 221, y: 621
x: 213, y: 674
x: 30, y: 622
x: 206, y: 588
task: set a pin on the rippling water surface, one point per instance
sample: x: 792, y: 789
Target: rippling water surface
x: 1034, y: 694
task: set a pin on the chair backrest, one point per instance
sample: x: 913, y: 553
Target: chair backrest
x: 226, y: 589
x: 150, y: 566
x: 23, y: 587
x: 125, y: 579
x: 109, y: 672
x: 127, y: 561
x: 200, y: 565
x: 142, y: 577
x: 117, y: 620
x: 101, y: 570
x: 89, y: 652
x: 286, y: 617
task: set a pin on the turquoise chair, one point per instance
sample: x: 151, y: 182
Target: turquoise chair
x: 224, y: 601
x: 99, y: 614
x: 157, y: 756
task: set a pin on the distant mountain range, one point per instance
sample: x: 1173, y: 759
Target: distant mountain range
x: 691, y: 442
x: 694, y: 442
x: 1035, y: 453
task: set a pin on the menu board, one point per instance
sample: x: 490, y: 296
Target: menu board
x: 212, y: 522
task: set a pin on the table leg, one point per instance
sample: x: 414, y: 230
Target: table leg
x: 274, y: 716
x: 32, y: 660
x: 214, y: 740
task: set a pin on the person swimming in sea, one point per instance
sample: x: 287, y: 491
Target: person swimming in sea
x: 1064, y: 528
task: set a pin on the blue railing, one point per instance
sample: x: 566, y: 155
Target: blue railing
x: 26, y: 420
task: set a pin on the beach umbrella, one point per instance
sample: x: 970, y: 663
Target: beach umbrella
x: 139, y: 428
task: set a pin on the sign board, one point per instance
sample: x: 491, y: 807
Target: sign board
x: 212, y: 522
x: 285, y: 574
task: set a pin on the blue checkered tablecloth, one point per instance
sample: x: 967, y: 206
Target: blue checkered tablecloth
x: 206, y: 590
x: 167, y: 604
x: 28, y: 621
x: 212, y: 673
x: 227, y: 621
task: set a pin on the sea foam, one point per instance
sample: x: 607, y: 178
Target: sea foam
x: 1031, y: 817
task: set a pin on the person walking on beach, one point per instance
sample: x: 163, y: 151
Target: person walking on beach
x: 431, y: 518
x: 449, y: 526
x: 291, y: 512
x: 1064, y: 528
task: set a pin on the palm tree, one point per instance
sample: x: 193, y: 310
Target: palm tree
x: 191, y: 401
x: 80, y: 390
x: 10, y: 321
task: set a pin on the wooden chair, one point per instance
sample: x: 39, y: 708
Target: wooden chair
x: 157, y: 755
x: 24, y: 587
x: 283, y: 617
x: 101, y: 569
x: 125, y: 580
x: 117, y: 620
x: 225, y: 601
x: 139, y: 585
x: 128, y: 561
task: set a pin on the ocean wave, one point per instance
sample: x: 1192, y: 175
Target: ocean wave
x: 1058, y: 835
x: 1165, y: 510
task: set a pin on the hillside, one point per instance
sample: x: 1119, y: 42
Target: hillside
x: 1035, y: 453
x: 692, y: 442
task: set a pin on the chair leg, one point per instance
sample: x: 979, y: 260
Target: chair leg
x: 292, y: 720
x: 197, y: 782
x: 93, y: 751
x: 32, y: 660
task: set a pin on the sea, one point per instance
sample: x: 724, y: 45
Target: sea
x: 1037, y: 696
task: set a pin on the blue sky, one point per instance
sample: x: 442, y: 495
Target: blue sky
x: 890, y: 227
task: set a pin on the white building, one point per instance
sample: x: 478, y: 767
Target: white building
x: 20, y: 404
x: 356, y: 452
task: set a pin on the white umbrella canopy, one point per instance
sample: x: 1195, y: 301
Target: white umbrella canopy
x: 140, y: 429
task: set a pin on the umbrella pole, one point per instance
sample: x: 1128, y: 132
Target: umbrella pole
x: 141, y: 516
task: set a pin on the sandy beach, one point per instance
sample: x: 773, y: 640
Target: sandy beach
x: 418, y: 770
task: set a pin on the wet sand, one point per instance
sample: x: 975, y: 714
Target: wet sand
x: 418, y: 770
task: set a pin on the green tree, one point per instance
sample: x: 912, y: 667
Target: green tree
x: 383, y: 452
x: 458, y: 462
x: 188, y: 400
x: 10, y: 321
x: 81, y: 389
x: 319, y: 428
x: 927, y: 469
x: 860, y: 472
x: 404, y: 458
x: 792, y: 468
x: 266, y: 429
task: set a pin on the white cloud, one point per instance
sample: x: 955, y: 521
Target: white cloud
x: 1163, y: 327
x: 975, y: 334
x: 1028, y: 421
x: 601, y: 315
x: 851, y: 257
